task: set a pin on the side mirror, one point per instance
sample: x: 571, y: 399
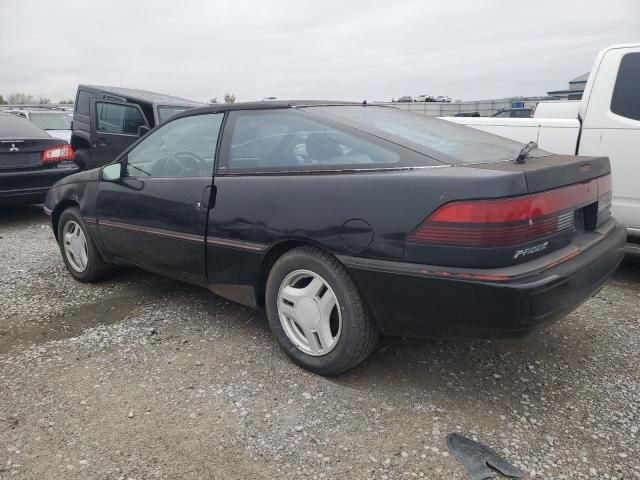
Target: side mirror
x: 142, y: 130
x: 112, y: 172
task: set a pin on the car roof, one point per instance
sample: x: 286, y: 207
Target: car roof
x: 45, y: 111
x: 33, y: 109
x: 271, y: 105
x: 141, y: 95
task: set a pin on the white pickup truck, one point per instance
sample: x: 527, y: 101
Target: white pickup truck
x: 608, y: 123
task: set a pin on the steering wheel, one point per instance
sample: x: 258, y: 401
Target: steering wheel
x: 187, y: 160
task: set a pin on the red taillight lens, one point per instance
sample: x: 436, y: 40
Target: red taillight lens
x: 58, y: 154
x: 507, y: 222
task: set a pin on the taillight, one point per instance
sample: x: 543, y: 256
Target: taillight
x: 508, y: 222
x: 58, y: 154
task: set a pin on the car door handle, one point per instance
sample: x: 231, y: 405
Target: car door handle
x: 103, y: 142
x: 208, y: 197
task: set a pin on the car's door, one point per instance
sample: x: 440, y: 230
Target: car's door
x: 155, y: 215
x: 267, y: 177
x: 113, y: 129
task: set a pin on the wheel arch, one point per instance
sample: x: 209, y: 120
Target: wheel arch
x: 79, y: 141
x: 273, y: 254
x: 57, y: 212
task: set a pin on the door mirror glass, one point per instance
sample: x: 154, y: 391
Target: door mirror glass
x: 112, y: 172
x: 142, y: 130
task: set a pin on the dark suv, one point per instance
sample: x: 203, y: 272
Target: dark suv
x: 515, y: 113
x: 106, y: 120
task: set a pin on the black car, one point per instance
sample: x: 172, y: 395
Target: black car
x: 106, y: 120
x: 30, y: 161
x: 346, y: 221
x: 514, y: 113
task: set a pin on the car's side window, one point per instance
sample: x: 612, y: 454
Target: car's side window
x: 626, y: 99
x: 286, y: 139
x: 180, y: 148
x: 83, y: 102
x: 117, y: 118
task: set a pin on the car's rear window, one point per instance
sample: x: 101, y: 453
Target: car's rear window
x: 442, y: 140
x: 13, y: 127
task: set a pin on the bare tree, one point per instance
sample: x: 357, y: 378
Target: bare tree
x: 19, y: 98
x: 27, y: 99
x: 68, y: 101
x: 2, y: 100
x: 229, y: 98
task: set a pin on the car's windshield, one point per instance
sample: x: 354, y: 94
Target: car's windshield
x: 444, y: 141
x: 166, y: 112
x: 52, y: 121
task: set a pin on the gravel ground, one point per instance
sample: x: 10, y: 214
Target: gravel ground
x: 140, y: 377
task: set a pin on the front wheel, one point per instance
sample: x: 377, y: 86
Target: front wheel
x: 317, y: 314
x: 79, y: 253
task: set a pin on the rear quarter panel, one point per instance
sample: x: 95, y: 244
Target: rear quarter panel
x: 312, y: 208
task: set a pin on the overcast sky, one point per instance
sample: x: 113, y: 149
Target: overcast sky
x: 323, y: 49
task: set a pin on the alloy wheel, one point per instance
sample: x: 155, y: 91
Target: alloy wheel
x: 75, y: 246
x: 309, y: 312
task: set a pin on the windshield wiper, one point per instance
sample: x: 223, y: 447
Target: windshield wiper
x: 526, y: 150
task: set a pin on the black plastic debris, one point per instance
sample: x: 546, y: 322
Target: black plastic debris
x: 480, y: 461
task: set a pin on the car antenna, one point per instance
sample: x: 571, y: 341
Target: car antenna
x: 526, y: 150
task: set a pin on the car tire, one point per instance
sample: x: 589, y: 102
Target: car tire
x: 356, y: 334
x: 83, y: 158
x: 79, y: 252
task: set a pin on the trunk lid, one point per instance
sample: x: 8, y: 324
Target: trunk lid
x: 24, y: 153
x: 553, y: 171
x: 567, y: 198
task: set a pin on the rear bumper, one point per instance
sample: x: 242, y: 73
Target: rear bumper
x: 421, y: 301
x: 30, y: 186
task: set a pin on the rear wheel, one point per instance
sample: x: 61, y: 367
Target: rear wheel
x: 317, y: 314
x: 79, y: 253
